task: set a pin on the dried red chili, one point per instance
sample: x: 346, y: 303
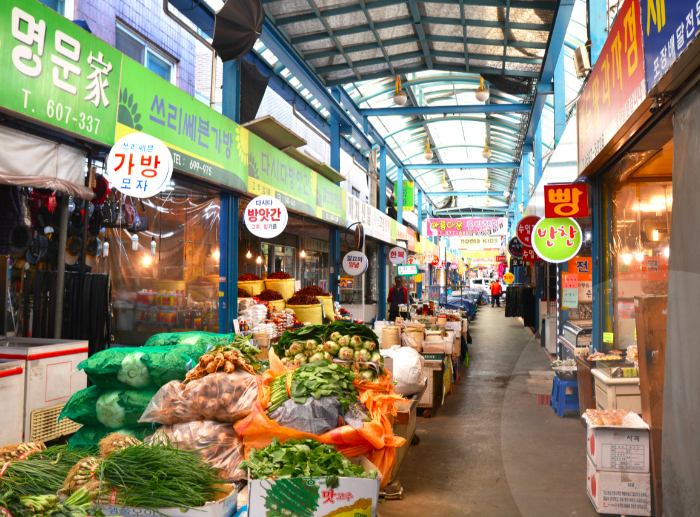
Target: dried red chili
x: 279, y: 275
x: 313, y: 290
x: 248, y: 278
x: 242, y: 293
x: 269, y: 295
x: 302, y: 299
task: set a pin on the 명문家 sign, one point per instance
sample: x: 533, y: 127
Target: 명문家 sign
x: 615, y: 87
x: 139, y: 165
x: 56, y: 73
x: 355, y: 263
x: 398, y: 255
x: 265, y: 217
x: 566, y: 200
x: 557, y: 239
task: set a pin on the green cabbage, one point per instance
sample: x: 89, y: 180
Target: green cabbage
x: 133, y: 372
x: 108, y: 410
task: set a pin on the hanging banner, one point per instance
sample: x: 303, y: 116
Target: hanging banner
x: 408, y: 196
x: 524, y: 229
x: 483, y: 227
x: 566, y: 200
x: 56, y: 73
x: 398, y: 255
x: 139, y: 165
x: 615, y: 87
x: 668, y: 31
x: 355, y: 263
x: 557, y: 240
x: 265, y: 217
x: 347, y: 283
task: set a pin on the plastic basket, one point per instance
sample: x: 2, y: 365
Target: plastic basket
x: 44, y: 425
x: 283, y: 286
x: 277, y: 305
x: 327, y: 302
x: 312, y: 314
x: 252, y: 287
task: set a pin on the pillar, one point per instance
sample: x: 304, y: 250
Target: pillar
x: 538, y: 153
x: 526, y: 178
x: 420, y: 211
x: 559, y: 98
x: 597, y: 27
x: 382, y: 179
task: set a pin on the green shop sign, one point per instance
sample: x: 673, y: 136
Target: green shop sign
x: 408, y: 195
x: 56, y: 73
x: 407, y: 270
x: 331, y: 202
x: 557, y: 239
x: 202, y: 141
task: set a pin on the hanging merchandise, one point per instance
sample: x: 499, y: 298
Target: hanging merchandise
x: 265, y: 217
x: 139, y: 165
x: 355, y: 263
x: 558, y: 239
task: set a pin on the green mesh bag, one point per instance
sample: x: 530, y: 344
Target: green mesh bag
x: 141, y: 368
x: 109, y: 408
x: 89, y: 437
x: 207, y: 339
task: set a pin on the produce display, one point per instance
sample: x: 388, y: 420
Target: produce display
x: 301, y: 458
x: 279, y: 275
x: 606, y: 417
x: 239, y: 354
x: 196, y: 338
x: 312, y: 290
x: 41, y: 472
x: 317, y: 379
x: 248, y: 278
x: 77, y: 505
x: 269, y: 295
x: 303, y: 299
x: 88, y: 437
x: 110, y: 408
x: 242, y: 293
x: 17, y: 450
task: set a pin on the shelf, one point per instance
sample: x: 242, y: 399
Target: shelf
x: 324, y: 170
x: 274, y: 133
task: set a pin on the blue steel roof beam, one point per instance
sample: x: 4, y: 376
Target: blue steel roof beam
x: 418, y: 25
x: 562, y: 16
x: 398, y: 22
x: 515, y: 43
x: 463, y: 21
x: 370, y: 62
x: 487, y: 57
x: 440, y: 166
x: 440, y: 67
x: 505, y: 34
x: 376, y: 36
x: 414, y: 125
x: 440, y: 110
x: 335, y: 41
x: 468, y: 193
x: 273, y: 40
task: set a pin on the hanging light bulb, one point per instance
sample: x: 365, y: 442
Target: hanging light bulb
x: 216, y: 254
x: 482, y: 94
x: 249, y: 255
x: 146, y: 260
x: 444, y: 181
x: 488, y: 201
x: 302, y: 254
x: 506, y: 193
x: 487, y: 183
x: 626, y: 258
x: 153, y: 246
x: 258, y: 260
x: 667, y: 252
x: 428, y: 154
x: 486, y: 153
x: 400, y: 96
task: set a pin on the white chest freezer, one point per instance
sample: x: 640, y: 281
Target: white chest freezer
x: 51, y: 378
x: 12, y: 396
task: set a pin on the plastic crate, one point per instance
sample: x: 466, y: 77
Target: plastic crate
x: 45, y: 426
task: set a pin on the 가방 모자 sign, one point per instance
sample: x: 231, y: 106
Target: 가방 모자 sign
x: 557, y: 239
x: 139, y: 165
x: 355, y: 263
x: 265, y: 217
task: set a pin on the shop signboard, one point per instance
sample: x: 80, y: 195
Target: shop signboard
x: 139, y: 165
x: 398, y: 255
x: 407, y: 270
x: 411, y: 240
x: 529, y: 255
x: 272, y: 172
x: 569, y: 298
x: 475, y: 243
x: 509, y: 278
x: 57, y: 74
x: 500, y: 258
x: 557, y: 239
x: 435, y: 261
x: 481, y: 254
x: 376, y: 224
x: 202, y: 142
x: 582, y: 267
x: 347, y: 283
x: 615, y: 87
x: 265, y: 217
x: 408, y: 196
x: 454, y: 265
x: 524, y: 229
x: 330, y: 201
x: 355, y: 263
x: 466, y: 227
x: 667, y: 33
x: 317, y: 245
x: 515, y: 247
x: 566, y: 200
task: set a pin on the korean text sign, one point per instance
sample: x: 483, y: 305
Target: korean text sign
x: 557, y: 240
x: 57, y: 73
x: 524, y: 229
x: 265, y: 217
x: 139, y: 165
x: 466, y: 227
x: 669, y: 28
x: 616, y: 86
x: 566, y: 200
x: 408, y: 195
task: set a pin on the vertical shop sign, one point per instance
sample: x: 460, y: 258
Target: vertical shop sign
x: 615, y: 87
x: 582, y: 267
x: 56, y: 73
x: 569, y: 299
x: 566, y: 200
x: 669, y: 28
x: 330, y: 201
x: 202, y: 142
x: 557, y: 240
x: 408, y: 195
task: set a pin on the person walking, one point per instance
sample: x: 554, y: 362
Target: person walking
x: 496, y: 291
x: 398, y: 294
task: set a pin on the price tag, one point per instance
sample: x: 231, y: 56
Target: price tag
x: 607, y: 337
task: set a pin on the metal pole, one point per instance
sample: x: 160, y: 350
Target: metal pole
x: 61, y: 278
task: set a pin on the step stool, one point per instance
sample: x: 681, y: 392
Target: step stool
x: 561, y: 401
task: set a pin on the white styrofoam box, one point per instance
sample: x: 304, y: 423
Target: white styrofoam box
x: 353, y: 497
x: 12, y: 394
x: 620, y: 493
x: 223, y: 508
x: 449, y: 345
x: 465, y: 325
x: 50, y: 371
x: 617, y: 448
x: 454, y: 325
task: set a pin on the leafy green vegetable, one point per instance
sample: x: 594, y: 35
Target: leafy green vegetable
x: 301, y: 458
x: 318, y: 379
x: 314, y: 332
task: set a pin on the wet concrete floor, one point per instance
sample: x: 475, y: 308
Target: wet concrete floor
x: 492, y: 450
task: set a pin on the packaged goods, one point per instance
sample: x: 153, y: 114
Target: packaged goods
x: 113, y: 409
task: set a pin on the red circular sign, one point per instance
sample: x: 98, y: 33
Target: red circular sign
x: 435, y: 261
x: 530, y: 255
x: 524, y: 229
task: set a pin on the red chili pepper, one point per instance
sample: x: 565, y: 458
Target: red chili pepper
x: 279, y: 275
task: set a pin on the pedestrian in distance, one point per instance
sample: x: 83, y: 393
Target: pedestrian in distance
x: 398, y: 295
x: 496, y: 291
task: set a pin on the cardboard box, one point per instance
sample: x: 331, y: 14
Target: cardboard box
x: 619, y: 449
x: 353, y: 497
x: 619, y: 493
x: 223, y: 508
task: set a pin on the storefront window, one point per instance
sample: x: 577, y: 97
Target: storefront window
x: 172, y: 286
